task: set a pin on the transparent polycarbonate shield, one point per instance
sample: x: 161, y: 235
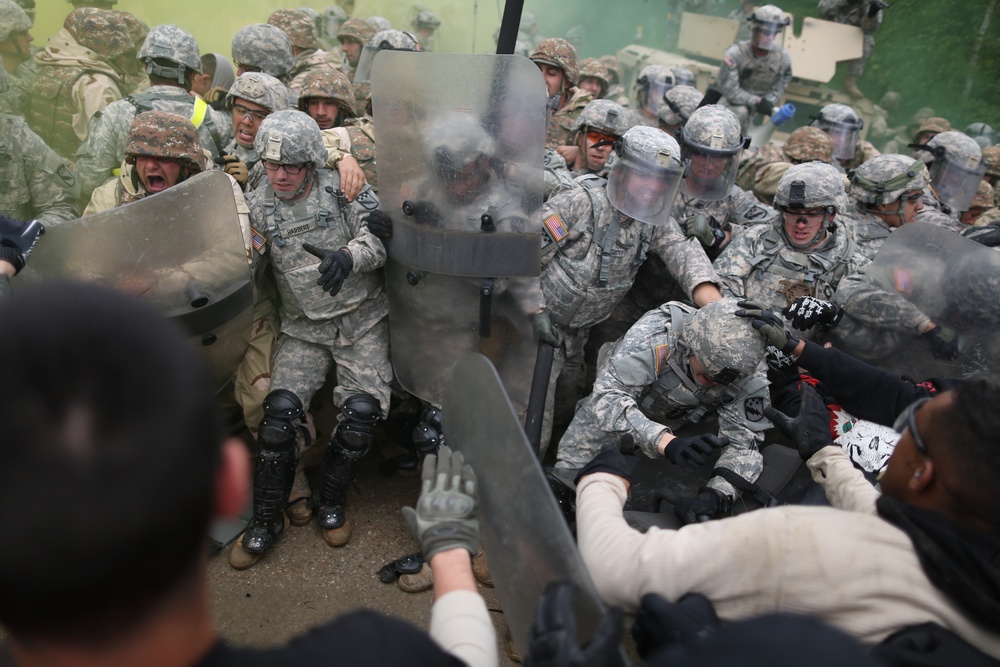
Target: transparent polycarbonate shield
x: 524, y: 535
x: 953, y: 281
x: 460, y: 142
x: 181, y: 250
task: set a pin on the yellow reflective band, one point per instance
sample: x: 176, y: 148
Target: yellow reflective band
x: 116, y: 171
x: 200, y: 109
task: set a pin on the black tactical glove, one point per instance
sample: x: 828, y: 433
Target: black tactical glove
x: 659, y: 623
x: 875, y: 6
x: 765, y: 106
x: 617, y: 459
x: 445, y: 517
x: 236, y: 168
x: 810, y: 430
x: 806, y: 312
x: 380, y: 224
x: 545, y: 330
x: 780, y: 343
x: 17, y: 239
x: 704, y: 506
x: 944, y: 344
x: 335, y: 267
x: 554, y: 642
x: 683, y: 451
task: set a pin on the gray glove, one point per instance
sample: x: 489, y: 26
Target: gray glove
x: 445, y: 517
x: 780, y: 343
x: 545, y: 329
x: 709, y: 235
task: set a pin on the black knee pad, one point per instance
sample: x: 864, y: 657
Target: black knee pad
x: 428, y: 435
x: 356, y: 432
x: 282, y: 415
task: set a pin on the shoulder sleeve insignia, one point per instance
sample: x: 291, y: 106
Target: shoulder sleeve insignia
x: 753, y: 408
x: 554, y: 228
x: 257, y: 240
x: 367, y: 200
x: 903, y: 280
x: 661, y: 353
x: 729, y: 61
x: 66, y: 175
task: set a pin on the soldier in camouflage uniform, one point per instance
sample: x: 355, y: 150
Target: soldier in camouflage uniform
x: 679, y: 366
x: 929, y: 128
x: 251, y: 98
x: 301, y: 33
x: 761, y: 168
x: 597, y: 236
x: 982, y: 202
x: 755, y: 73
x: 594, y: 77
x: 599, y: 125
x: 865, y: 14
x: 887, y: 191
x: 353, y: 36
x: 955, y: 164
x: 332, y: 20
x: 329, y: 100
x: 651, y: 84
x: 556, y: 58
x: 132, y: 69
x: 424, y: 25
x: 843, y: 124
x: 796, y: 262
x: 678, y: 104
x: 898, y: 143
x: 338, y: 319
x: 395, y: 40
x: 15, y: 49
x: 171, y: 57
x: 77, y: 77
x: 37, y: 182
x: 616, y: 91
x: 881, y: 131
x: 991, y: 158
x: 262, y: 47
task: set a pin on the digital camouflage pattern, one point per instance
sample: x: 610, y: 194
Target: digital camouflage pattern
x: 397, y: 40
x: 559, y: 53
x: 259, y: 88
x: 164, y: 135
x: 722, y: 344
x: 331, y: 85
x: 645, y: 390
x: 427, y: 19
x: 954, y: 146
x: 38, y: 183
x: 380, y: 23
x: 12, y: 19
x: 712, y: 128
x: 603, y: 115
x: 745, y: 79
x: 558, y: 176
x: 290, y: 137
x: 264, y: 47
x: 171, y: 43
x: 678, y: 104
x: 885, y: 178
x: 816, y: 185
x: 362, y: 134
x: 298, y: 25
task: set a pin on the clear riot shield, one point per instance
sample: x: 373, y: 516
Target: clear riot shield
x: 460, y: 142
x: 954, y: 281
x: 522, y: 529
x: 182, y: 250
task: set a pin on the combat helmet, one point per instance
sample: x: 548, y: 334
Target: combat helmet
x: 384, y: 40
x: 263, y: 47
x: 165, y: 135
x: 806, y: 187
x: 290, y: 137
x: 806, y: 144
x: 955, y: 162
x: 557, y: 52
x: 380, y: 23
x: 931, y: 125
x: 259, y: 88
x: 29, y: 8
x: 603, y: 115
x: 684, y: 77
x: 725, y: 345
x: 298, y: 25
x: 12, y: 19
x: 595, y: 69
x: 170, y: 43
x: 614, y: 66
x: 991, y: 158
x: 983, y: 133
x: 334, y: 15
x: 644, y: 152
x: 101, y: 30
x: 884, y: 179
x: 356, y: 29
x: 766, y: 23
x: 329, y: 84
x: 713, y: 133
x: 453, y: 144
x: 427, y: 20
x: 137, y: 28
x: 843, y: 124
x: 678, y: 104
x: 651, y: 84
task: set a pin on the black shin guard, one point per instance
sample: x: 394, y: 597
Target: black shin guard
x: 353, y: 438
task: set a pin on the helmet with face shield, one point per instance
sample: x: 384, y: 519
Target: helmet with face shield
x: 956, y: 166
x: 712, y: 141
x: 843, y: 124
x: 384, y: 40
x: 884, y: 179
x: 766, y: 25
x: 653, y: 81
x: 644, y: 179
x: 725, y: 345
x: 459, y: 152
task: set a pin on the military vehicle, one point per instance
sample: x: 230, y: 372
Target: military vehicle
x: 815, y: 50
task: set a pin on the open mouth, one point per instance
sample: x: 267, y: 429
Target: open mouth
x: 156, y: 183
x: 244, y: 138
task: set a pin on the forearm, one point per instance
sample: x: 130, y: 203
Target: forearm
x: 846, y: 488
x: 460, y: 622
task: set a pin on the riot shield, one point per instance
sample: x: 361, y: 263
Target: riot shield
x: 182, y: 250
x: 460, y: 142
x: 952, y: 280
x: 523, y: 532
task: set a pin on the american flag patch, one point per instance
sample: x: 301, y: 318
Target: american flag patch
x: 555, y: 228
x: 661, y: 352
x: 257, y: 239
x: 902, y: 279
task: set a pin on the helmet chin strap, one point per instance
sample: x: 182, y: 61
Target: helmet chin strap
x: 815, y: 239
x: 306, y: 182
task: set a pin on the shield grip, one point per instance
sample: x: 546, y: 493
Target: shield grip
x: 463, y: 253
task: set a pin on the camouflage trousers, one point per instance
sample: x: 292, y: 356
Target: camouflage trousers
x: 582, y: 440
x: 857, y: 67
x: 362, y: 367
x: 253, y: 377
x: 567, y: 382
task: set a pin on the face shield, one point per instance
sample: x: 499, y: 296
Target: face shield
x: 363, y: 73
x: 768, y: 35
x: 711, y: 172
x: 645, y: 191
x: 655, y: 91
x: 955, y: 184
x: 844, y: 137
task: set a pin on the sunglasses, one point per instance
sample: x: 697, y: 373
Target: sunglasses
x: 597, y: 136
x: 907, y: 419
